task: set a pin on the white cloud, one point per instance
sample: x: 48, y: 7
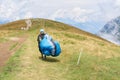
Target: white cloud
x: 17, y: 18
x: 78, y: 10
x: 28, y: 15
x: 117, y: 2
x: 13, y: 9
x: 46, y: 8
x: 109, y: 9
x: 77, y: 14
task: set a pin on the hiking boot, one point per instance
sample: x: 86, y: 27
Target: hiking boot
x: 44, y: 57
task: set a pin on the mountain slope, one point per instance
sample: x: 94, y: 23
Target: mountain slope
x: 99, y: 60
x: 42, y: 22
x: 111, y: 31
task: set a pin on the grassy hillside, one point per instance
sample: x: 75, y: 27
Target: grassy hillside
x: 100, y: 59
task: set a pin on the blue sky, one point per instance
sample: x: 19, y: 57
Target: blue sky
x: 81, y: 11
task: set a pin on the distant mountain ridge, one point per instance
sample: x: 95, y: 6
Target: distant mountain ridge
x: 111, y: 31
x: 4, y: 21
x: 89, y: 26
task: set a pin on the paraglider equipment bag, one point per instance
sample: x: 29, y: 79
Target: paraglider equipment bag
x: 47, y: 47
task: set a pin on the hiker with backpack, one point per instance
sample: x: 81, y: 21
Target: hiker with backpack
x: 44, y: 43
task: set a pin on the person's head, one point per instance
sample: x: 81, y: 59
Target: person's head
x: 42, y: 31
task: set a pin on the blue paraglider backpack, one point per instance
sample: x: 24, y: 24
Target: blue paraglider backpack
x: 47, y: 46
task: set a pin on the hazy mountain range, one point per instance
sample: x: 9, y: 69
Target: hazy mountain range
x: 2, y: 21
x: 91, y: 26
x: 111, y: 31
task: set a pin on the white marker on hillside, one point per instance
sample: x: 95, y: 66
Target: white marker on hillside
x: 28, y: 24
x: 79, y: 56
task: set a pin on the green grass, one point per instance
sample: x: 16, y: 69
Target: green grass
x: 74, y: 36
x: 13, y: 46
x: 99, y: 60
x: 12, y: 67
x: 2, y: 40
x: 101, y: 69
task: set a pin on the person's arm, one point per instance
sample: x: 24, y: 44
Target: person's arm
x: 38, y: 38
x: 48, y: 37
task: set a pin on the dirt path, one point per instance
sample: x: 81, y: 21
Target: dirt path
x: 9, y: 48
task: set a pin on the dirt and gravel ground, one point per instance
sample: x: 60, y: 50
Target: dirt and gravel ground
x: 10, y: 47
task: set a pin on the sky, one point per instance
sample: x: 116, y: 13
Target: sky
x: 82, y: 11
